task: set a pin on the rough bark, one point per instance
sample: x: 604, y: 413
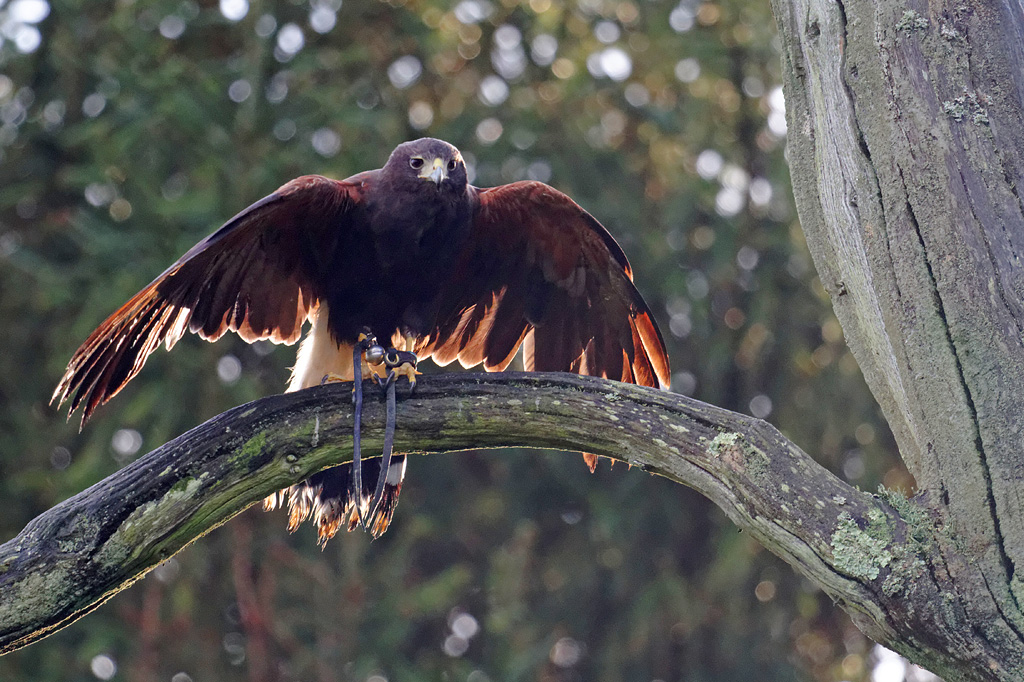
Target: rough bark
x: 906, y: 142
x: 870, y: 554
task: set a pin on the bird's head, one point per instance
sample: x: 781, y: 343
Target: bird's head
x: 428, y: 160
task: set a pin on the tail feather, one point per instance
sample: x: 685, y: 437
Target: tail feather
x: 326, y: 499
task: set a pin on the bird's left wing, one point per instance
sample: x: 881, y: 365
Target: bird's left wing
x: 259, y: 275
x: 540, y: 271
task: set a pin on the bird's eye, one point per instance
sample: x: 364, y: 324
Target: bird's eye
x: 451, y: 164
x: 416, y: 162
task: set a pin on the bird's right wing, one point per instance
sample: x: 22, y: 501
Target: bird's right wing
x: 259, y: 275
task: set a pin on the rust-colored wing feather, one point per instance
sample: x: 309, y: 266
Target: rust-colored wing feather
x: 259, y: 275
x: 540, y: 271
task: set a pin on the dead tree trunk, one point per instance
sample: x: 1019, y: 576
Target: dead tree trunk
x: 906, y: 142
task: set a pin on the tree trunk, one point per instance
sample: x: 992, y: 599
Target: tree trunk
x: 906, y: 143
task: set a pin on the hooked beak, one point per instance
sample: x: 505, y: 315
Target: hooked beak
x: 436, y: 172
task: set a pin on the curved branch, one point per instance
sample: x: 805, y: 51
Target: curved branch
x: 855, y: 546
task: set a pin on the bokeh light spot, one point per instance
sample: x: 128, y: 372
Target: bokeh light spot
x: 26, y: 38
x: 239, y: 90
x: 563, y: 68
x: 473, y: 11
x: 172, y: 26
x: 234, y: 10
x: 493, y: 90
x: 637, y: 95
x: 322, y: 18
x: 543, y: 49
x: 760, y: 192
x: 681, y: 18
x: 103, y: 667
x: 290, y: 40
x: 566, y: 652
x: 507, y: 37
x: 607, y: 32
x: 455, y: 646
x: 761, y: 407
x: 421, y: 115
x: 616, y: 64
x: 229, y: 369
x: 28, y: 11
x: 709, y: 164
x: 489, y: 130
x: 126, y: 442
x: 60, y: 458
x: 93, y: 104
x: 99, y: 194
x: 464, y: 625
x: 405, y: 71
x: 326, y: 142
x: 765, y: 591
x: 687, y: 70
x: 120, y: 209
x: 285, y: 129
x: 266, y: 25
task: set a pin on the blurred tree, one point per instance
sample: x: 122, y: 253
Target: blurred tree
x: 128, y: 131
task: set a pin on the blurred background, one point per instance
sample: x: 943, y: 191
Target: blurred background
x: 131, y: 129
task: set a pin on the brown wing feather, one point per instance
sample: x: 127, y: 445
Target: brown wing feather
x: 541, y: 271
x: 259, y: 275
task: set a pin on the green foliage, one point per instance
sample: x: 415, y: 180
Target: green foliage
x: 133, y: 129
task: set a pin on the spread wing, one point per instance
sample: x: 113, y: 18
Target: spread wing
x: 540, y: 271
x: 259, y: 275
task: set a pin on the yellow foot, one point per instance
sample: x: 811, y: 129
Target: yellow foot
x: 332, y: 378
x: 408, y: 371
x: 373, y: 370
x: 402, y: 363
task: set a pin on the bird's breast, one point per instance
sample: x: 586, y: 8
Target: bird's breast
x: 408, y: 248
x: 422, y: 236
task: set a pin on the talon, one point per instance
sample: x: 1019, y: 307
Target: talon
x: 332, y: 378
x: 407, y: 370
x: 384, y: 379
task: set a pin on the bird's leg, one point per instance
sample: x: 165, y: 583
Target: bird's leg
x: 371, y: 360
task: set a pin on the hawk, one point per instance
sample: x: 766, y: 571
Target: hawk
x: 410, y: 253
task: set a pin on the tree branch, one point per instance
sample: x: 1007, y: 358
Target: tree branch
x: 855, y: 546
